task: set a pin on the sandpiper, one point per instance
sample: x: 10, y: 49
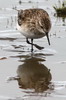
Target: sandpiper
x: 33, y: 24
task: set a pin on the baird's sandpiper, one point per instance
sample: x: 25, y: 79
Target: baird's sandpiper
x: 34, y: 23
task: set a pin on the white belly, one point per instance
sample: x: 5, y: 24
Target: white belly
x: 29, y: 34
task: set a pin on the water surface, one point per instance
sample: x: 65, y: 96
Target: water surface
x: 27, y: 76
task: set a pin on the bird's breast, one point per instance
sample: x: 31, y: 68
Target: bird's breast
x: 30, y: 32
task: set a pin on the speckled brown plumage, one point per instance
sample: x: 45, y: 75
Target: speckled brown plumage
x: 34, y: 23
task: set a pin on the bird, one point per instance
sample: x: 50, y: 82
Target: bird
x: 34, y: 23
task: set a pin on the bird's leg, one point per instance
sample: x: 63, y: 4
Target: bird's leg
x: 37, y: 46
x: 27, y: 41
x: 32, y: 45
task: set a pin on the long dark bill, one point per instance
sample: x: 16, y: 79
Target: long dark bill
x: 48, y: 38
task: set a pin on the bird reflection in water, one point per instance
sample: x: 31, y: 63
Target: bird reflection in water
x: 32, y: 74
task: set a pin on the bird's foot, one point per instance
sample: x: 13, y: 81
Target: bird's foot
x: 38, y: 47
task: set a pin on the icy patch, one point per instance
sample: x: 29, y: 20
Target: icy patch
x: 50, y: 51
x: 47, y: 51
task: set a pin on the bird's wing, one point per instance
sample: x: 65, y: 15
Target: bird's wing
x: 44, y: 24
x: 41, y: 27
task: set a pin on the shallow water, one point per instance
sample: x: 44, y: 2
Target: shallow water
x: 31, y: 76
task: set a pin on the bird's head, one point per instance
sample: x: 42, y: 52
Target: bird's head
x: 20, y: 17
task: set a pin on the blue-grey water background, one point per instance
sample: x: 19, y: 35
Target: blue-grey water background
x: 14, y: 50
